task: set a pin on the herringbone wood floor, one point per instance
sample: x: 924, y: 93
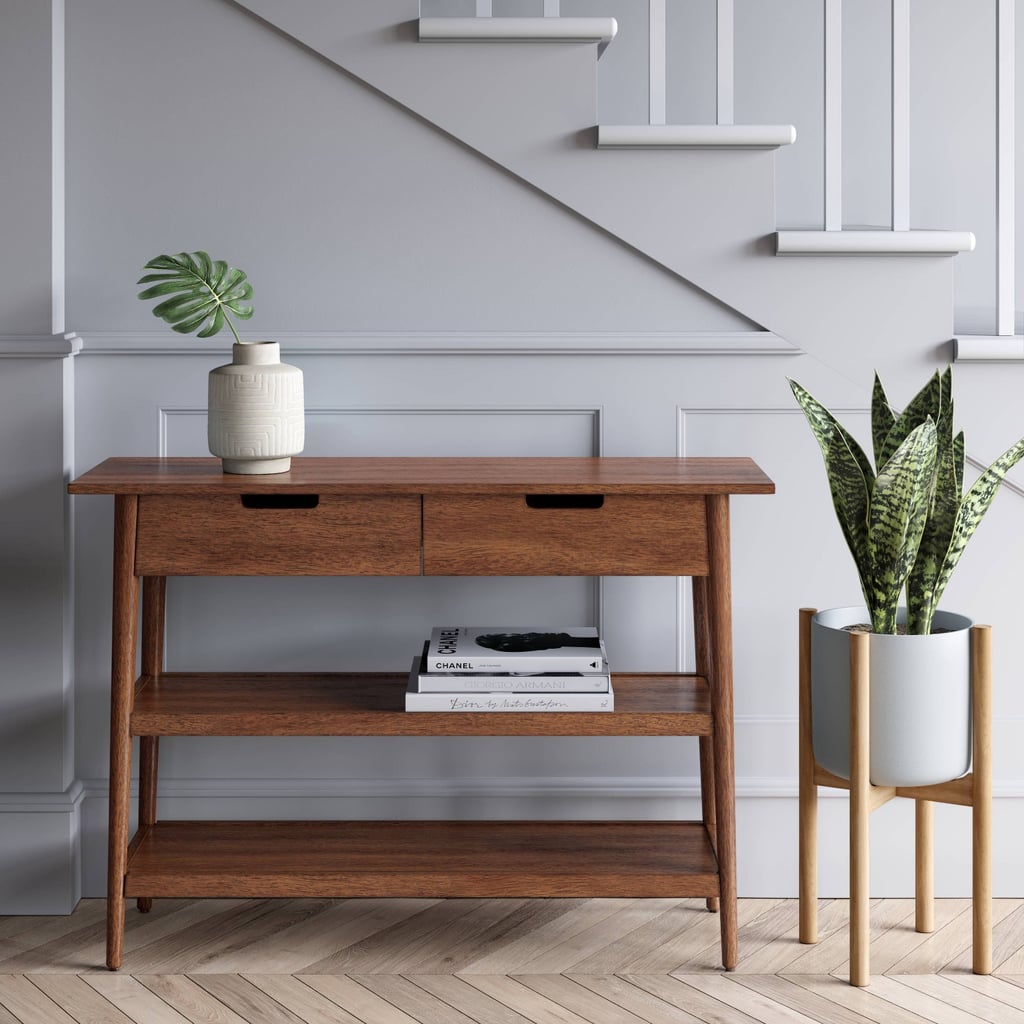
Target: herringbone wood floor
x: 403, y: 961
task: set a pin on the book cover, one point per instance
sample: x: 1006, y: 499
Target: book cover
x: 522, y: 649
x: 503, y: 702
x: 510, y: 682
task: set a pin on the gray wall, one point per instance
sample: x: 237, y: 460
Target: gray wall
x: 433, y: 239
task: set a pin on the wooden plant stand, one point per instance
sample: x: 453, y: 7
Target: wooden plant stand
x: 972, y: 790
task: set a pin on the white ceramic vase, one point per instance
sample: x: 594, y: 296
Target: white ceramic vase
x: 920, y: 699
x: 255, y: 414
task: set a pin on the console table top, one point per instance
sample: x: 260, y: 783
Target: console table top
x: 433, y: 475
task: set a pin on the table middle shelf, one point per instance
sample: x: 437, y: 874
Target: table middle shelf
x: 372, y: 704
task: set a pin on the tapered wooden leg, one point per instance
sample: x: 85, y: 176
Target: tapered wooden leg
x: 981, y: 678
x: 860, y: 809
x: 808, y: 853
x: 702, y: 664
x: 924, y: 864
x: 720, y: 639
x: 154, y: 593
x: 122, y: 683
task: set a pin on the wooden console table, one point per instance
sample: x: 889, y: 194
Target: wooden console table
x: 410, y: 517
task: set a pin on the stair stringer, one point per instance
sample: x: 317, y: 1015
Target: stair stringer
x: 706, y: 216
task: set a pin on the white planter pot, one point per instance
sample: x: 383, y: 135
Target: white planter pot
x: 920, y: 699
x: 255, y: 414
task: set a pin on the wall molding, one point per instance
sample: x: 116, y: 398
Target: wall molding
x: 501, y: 343
x: 65, y: 802
x: 39, y: 346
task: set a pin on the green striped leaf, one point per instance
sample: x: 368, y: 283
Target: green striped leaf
x: 926, y: 403
x: 882, y: 420
x: 849, y: 473
x: 896, y: 521
x: 972, y: 510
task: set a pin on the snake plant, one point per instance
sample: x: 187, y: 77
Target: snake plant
x: 202, y: 293
x: 906, y: 523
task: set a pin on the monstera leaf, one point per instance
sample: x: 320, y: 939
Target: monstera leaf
x: 201, y: 293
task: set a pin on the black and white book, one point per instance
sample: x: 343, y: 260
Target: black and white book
x: 494, y: 649
x: 415, y: 700
x: 510, y: 682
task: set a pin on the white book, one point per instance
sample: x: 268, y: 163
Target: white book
x: 415, y: 700
x: 510, y: 682
x: 521, y: 649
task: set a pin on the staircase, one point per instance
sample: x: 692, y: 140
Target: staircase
x: 696, y: 199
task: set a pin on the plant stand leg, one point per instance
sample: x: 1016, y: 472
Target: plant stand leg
x: 860, y: 810
x: 981, y: 669
x: 924, y: 865
x: 808, y: 793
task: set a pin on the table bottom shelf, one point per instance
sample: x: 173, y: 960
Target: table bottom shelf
x: 260, y: 859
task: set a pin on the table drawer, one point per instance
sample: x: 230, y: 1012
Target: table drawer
x: 564, y: 535
x: 278, y: 535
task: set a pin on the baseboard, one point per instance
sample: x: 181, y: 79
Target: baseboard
x: 40, y: 851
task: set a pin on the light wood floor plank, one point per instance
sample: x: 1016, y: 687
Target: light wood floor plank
x: 634, y: 999
x: 1007, y: 944
x: 525, y: 945
x: 583, y: 944
x: 931, y: 1009
x: 675, y: 991
x: 388, y: 949
x: 868, y: 1004
x: 584, y: 1002
x: 455, y: 942
x: 245, y: 999
x: 946, y: 944
x: 1001, y: 988
x: 698, y: 942
x: 413, y: 999
x: 977, y: 1004
x: 302, y: 1000
x: 467, y: 999
x: 726, y: 989
x: 184, y: 995
x: 356, y: 999
x: 899, y: 944
x: 309, y: 942
x: 537, y: 1008
x: 28, y: 1004
x: 85, y: 1004
x: 830, y: 953
x: 133, y: 999
x: 779, y: 989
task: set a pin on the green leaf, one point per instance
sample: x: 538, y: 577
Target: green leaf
x: 972, y: 510
x: 882, y: 419
x: 922, y: 594
x: 850, y: 476
x: 201, y: 293
x: 896, y: 521
x: 926, y: 403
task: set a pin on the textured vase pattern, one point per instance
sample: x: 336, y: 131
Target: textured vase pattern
x: 256, y: 416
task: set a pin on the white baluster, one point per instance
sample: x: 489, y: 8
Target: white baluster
x: 483, y: 8
x: 551, y: 9
x: 1005, y: 74
x: 656, y: 62
x: 901, y: 115
x: 724, y: 91
x: 833, y: 115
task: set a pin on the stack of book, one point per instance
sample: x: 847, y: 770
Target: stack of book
x: 476, y: 668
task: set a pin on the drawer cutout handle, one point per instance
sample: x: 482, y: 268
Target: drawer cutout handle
x: 564, y: 500
x: 258, y: 501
